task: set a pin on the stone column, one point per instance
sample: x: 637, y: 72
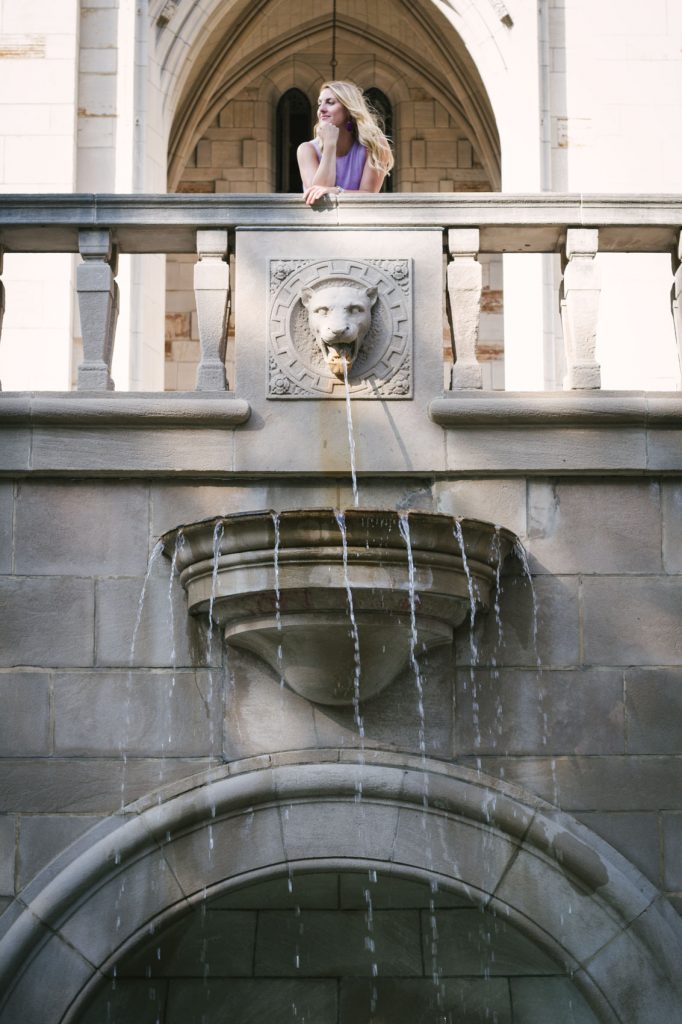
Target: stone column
x: 2, y: 298
x: 212, y: 290
x: 579, y: 303
x: 676, y: 297
x: 98, y: 305
x: 465, y: 276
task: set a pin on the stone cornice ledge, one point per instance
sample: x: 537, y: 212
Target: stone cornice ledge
x: 463, y: 409
x: 124, y: 409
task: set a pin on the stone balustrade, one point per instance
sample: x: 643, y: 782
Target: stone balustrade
x: 100, y: 227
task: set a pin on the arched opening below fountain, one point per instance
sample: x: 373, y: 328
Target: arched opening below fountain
x: 338, y: 947
x: 545, y: 875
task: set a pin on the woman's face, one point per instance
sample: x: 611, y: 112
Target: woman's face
x: 330, y: 110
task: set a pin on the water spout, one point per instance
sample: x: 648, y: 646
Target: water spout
x: 351, y: 435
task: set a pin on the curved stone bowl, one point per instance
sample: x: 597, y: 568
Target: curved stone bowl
x: 278, y: 584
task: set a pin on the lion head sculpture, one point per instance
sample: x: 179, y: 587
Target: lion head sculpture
x: 339, y: 316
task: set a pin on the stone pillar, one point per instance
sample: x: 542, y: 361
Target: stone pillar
x: 465, y: 276
x: 98, y: 305
x: 676, y: 297
x: 2, y: 298
x: 579, y: 303
x: 212, y: 290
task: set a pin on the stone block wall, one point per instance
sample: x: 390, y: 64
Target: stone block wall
x: 270, y: 945
x: 587, y: 717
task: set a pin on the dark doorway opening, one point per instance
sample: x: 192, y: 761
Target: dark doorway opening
x: 294, y: 126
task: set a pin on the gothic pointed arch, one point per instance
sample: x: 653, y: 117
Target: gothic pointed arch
x: 424, y: 55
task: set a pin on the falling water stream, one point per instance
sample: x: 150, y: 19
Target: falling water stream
x: 125, y: 739
x: 473, y: 646
x: 179, y: 543
x: 370, y: 943
x: 496, y: 554
x: 520, y: 553
x: 357, y: 716
x: 404, y: 526
x: 351, y: 436
x: 414, y: 650
x: 218, y: 532
x: 278, y: 597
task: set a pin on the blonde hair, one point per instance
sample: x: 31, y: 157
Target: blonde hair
x: 366, y: 127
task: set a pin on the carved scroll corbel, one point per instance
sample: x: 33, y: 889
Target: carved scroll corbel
x: 212, y: 291
x: 465, y: 281
x: 676, y: 297
x: 98, y: 304
x: 579, y: 304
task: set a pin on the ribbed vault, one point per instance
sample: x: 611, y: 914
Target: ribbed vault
x: 250, y: 41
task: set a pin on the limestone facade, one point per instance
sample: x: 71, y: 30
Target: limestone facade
x: 101, y: 709
x: 496, y: 834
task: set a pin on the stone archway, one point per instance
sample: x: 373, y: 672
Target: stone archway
x: 569, y: 891
x: 419, y: 46
x: 223, y: 139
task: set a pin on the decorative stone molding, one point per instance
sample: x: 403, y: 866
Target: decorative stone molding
x: 550, y: 409
x: 676, y: 298
x: 212, y: 291
x: 421, y: 819
x: 299, y: 367
x: 579, y: 304
x: 508, y: 222
x: 502, y: 13
x: 98, y: 301
x: 465, y: 282
x: 121, y: 410
x: 167, y: 12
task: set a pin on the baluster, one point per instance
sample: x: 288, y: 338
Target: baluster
x: 212, y: 290
x: 2, y: 297
x: 465, y: 278
x: 579, y: 304
x: 98, y: 301
x: 676, y: 297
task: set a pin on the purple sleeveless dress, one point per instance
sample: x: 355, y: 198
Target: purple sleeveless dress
x: 349, y: 168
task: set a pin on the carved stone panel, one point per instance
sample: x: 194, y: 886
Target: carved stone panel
x: 374, y: 333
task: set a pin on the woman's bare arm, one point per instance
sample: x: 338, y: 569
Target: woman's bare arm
x: 319, y: 174
x: 371, y: 180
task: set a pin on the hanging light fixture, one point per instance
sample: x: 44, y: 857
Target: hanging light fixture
x: 333, y: 60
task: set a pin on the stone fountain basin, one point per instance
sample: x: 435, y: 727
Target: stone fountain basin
x: 277, y: 584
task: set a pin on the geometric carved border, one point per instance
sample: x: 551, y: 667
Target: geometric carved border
x: 384, y: 365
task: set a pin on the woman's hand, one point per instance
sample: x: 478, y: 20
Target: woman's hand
x: 315, y: 192
x: 328, y: 134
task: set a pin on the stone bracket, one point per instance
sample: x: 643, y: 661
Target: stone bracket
x: 676, y: 298
x: 579, y: 305
x: 465, y: 281
x: 212, y: 291
x: 98, y: 302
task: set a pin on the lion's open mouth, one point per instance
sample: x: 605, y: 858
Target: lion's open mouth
x: 339, y: 354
